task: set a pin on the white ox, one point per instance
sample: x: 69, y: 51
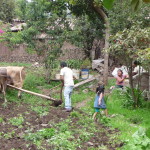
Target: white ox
x: 17, y: 75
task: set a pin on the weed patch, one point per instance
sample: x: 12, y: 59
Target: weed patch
x: 40, y: 110
x: 139, y: 141
x: 17, y: 121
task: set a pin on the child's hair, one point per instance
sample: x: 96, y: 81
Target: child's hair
x: 100, y: 89
x: 119, y: 70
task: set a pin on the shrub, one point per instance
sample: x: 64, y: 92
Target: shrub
x: 128, y: 101
x: 136, y: 119
x: 86, y: 63
x: 148, y: 132
x: 72, y: 63
x: 139, y: 142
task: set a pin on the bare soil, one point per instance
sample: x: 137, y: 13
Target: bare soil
x: 34, y: 123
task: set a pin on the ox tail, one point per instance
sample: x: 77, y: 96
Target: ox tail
x: 21, y: 74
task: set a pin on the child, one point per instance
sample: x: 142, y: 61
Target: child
x: 120, y: 79
x: 99, y: 101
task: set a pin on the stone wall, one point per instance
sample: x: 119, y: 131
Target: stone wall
x: 19, y: 54
x: 70, y: 51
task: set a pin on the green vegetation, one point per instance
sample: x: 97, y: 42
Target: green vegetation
x: 8, y: 135
x: 75, y: 64
x: 1, y: 119
x: 42, y: 111
x: 15, y: 64
x: 79, y: 127
x: 127, y: 120
x: 7, y: 10
x: 45, y: 133
x: 17, y: 121
x: 85, y: 24
x: 140, y: 141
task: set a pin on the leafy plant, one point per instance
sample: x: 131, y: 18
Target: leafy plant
x: 75, y: 114
x: 128, y: 100
x: 105, y: 120
x: 40, y: 135
x: 1, y: 120
x: 139, y: 142
x: 86, y: 63
x: 84, y: 135
x: 63, y: 141
x: 17, y: 121
x: 40, y: 110
x: 136, y: 119
x: 9, y: 135
x: 63, y: 126
x: 75, y: 64
x: 148, y: 132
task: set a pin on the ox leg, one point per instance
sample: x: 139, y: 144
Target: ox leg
x: 19, y: 94
x: 5, y: 97
x: 4, y: 93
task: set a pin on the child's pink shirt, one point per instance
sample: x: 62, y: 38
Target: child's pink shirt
x: 122, y: 82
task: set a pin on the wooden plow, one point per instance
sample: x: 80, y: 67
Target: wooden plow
x: 55, y: 101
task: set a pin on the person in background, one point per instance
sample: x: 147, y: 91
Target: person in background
x: 120, y: 66
x: 120, y: 79
x: 99, y: 102
x: 67, y: 78
x: 137, y: 68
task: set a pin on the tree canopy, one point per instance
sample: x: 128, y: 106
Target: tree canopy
x: 7, y: 10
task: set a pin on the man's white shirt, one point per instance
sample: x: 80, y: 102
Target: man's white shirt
x: 139, y: 70
x: 68, y: 76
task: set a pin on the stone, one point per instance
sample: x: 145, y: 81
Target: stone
x: 85, y: 91
x: 36, y: 64
x: 90, y: 143
x: 44, y: 125
x: 21, y: 135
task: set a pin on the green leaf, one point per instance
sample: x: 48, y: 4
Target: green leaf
x: 136, y: 4
x: 108, y: 4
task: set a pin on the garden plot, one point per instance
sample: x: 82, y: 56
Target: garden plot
x: 33, y: 124
x: 22, y: 127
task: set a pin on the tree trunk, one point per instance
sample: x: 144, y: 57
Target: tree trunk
x: 149, y: 79
x: 106, y: 56
x: 107, y: 30
x: 131, y: 85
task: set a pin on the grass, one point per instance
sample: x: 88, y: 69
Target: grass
x: 15, y: 64
x: 128, y: 121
